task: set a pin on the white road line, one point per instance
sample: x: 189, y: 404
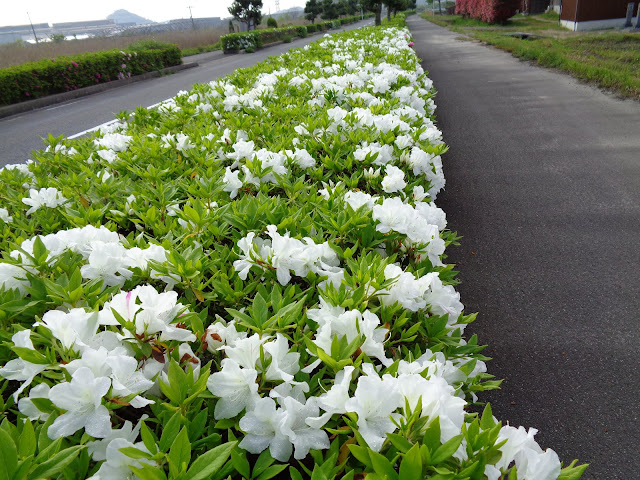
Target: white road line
x: 98, y: 127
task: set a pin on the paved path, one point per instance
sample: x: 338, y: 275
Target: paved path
x: 543, y: 182
x: 21, y: 134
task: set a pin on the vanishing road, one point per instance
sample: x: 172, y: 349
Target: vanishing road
x: 20, y: 134
x: 543, y: 182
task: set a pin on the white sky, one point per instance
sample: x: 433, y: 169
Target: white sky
x: 55, y: 11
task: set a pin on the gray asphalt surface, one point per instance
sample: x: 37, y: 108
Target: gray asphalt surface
x: 543, y: 182
x: 23, y: 133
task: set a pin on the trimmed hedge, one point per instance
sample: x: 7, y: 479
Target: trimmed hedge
x: 490, y: 11
x: 57, y: 75
x: 257, y: 38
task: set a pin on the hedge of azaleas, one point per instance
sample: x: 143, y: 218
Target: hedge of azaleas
x: 249, y: 282
x: 490, y: 11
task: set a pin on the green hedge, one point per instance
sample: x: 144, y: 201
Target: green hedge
x: 63, y: 74
x: 257, y: 38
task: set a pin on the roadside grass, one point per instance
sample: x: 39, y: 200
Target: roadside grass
x: 610, y: 59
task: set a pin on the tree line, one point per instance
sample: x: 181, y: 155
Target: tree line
x: 249, y: 12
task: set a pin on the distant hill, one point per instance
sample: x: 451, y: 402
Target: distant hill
x: 123, y: 16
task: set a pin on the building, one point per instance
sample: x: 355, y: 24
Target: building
x: 579, y: 15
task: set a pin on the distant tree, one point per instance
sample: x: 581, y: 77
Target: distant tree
x: 330, y: 10
x: 272, y: 22
x: 247, y: 11
x: 57, y: 37
x: 353, y: 7
x: 374, y: 6
x: 394, y: 6
x: 312, y: 10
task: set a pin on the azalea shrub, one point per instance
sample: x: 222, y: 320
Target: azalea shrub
x: 249, y: 281
x: 257, y: 38
x: 62, y: 74
x: 490, y: 11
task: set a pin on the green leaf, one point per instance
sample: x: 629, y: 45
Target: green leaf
x: 411, y: 466
x: 133, y: 452
x: 148, y: 438
x: 31, y: 356
x: 27, y: 445
x: 271, y: 472
x: 264, y: 460
x: 148, y: 472
x: 240, y: 462
x: 210, y: 462
x: 487, y: 421
x: 572, y: 472
x: 432, y: 435
x: 382, y: 466
x: 402, y: 444
x: 170, y: 431
x: 446, y: 450
x: 57, y: 463
x: 294, y: 474
x: 180, y: 453
x: 8, y: 456
x: 361, y: 454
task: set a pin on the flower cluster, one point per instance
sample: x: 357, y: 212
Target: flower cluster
x: 254, y: 267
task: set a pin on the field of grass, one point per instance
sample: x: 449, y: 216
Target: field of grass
x: 608, y: 59
x: 189, y: 41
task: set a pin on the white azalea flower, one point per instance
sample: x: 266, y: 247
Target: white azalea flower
x: 116, y: 466
x: 236, y: 387
x: 334, y: 401
x: 245, y: 351
x: 231, y: 182
x: 98, y: 448
x: 73, y: 329
x: 107, y: 261
x: 45, y: 197
x: 4, y: 215
x: 12, y: 277
x: 19, y: 369
x: 262, y: 428
x: 375, y: 402
x: 29, y: 409
x: 294, y: 425
x: 221, y: 333
x: 284, y: 364
x: 82, y: 399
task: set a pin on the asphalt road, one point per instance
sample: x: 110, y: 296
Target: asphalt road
x: 543, y: 182
x: 23, y: 133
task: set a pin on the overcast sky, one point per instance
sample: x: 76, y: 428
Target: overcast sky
x: 54, y: 11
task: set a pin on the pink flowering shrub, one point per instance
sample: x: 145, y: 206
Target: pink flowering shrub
x: 490, y: 11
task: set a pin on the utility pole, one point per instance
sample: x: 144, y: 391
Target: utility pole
x: 32, y: 29
x: 191, y: 15
x: 277, y: 6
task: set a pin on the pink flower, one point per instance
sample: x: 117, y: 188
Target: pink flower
x: 74, y: 64
x: 27, y: 94
x: 411, y: 44
x: 124, y: 66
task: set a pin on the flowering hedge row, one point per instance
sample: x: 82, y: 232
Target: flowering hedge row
x: 490, y: 11
x: 63, y: 74
x: 257, y: 38
x: 249, y: 282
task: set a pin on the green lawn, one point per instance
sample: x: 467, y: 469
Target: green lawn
x: 609, y: 59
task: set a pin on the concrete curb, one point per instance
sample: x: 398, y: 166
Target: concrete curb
x: 29, y: 105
